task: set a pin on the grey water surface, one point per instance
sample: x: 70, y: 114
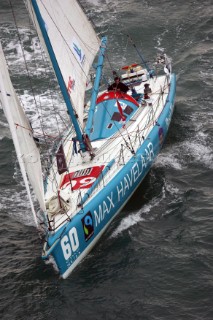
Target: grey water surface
x: 155, y: 262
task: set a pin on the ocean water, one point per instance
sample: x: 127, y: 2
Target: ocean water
x: 155, y: 262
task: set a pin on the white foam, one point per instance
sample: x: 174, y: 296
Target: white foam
x: 41, y: 110
x: 106, y: 13
x: 168, y: 158
x: 47, y: 106
x: 177, y: 156
x: 136, y: 217
x: 174, y: 191
x: 18, y: 204
x: 16, y: 199
x: 51, y: 261
x: 201, y: 153
x: 143, y: 214
x: 198, y: 146
x: 127, y: 222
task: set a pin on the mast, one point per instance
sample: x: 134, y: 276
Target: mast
x: 59, y: 75
x: 96, y: 84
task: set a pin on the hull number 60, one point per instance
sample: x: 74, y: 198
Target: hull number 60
x: 70, y: 244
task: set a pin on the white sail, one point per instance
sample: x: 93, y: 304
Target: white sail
x: 27, y: 152
x: 73, y: 40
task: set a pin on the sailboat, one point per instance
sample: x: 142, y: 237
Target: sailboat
x: 106, y: 152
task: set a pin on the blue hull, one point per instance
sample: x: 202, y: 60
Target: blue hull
x: 73, y: 241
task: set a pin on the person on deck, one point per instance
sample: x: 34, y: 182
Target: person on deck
x: 147, y: 91
x: 118, y: 86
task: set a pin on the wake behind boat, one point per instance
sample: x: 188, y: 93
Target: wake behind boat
x: 105, y: 154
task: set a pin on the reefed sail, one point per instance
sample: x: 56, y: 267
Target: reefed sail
x: 73, y: 40
x: 27, y: 152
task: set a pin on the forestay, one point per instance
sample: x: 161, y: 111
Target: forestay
x: 74, y: 42
x: 27, y: 152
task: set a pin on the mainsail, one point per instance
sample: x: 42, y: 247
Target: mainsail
x: 73, y: 40
x: 27, y: 152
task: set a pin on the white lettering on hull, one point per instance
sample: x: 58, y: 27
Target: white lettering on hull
x: 70, y: 244
x: 125, y: 184
x: 104, y: 209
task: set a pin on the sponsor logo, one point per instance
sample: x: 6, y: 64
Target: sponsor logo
x: 78, y: 52
x: 87, y: 223
x: 70, y: 85
x: 81, y: 179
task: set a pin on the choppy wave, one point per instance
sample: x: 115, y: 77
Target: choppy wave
x: 27, y: 61
x: 18, y: 202
x: 45, y: 110
x: 16, y: 199
x: 150, y: 275
x: 148, y: 211
x: 169, y: 158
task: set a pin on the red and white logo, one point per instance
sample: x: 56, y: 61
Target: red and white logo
x: 81, y: 179
x: 70, y: 85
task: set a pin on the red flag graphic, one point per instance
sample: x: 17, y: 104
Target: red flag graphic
x: 123, y: 118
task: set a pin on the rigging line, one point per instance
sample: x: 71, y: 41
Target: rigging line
x: 146, y: 127
x: 73, y: 56
x: 118, y: 128
x: 47, y: 62
x: 138, y: 52
x: 148, y: 123
x: 71, y: 52
x: 141, y: 130
x: 113, y: 148
x: 59, y: 75
x: 117, y: 143
x: 127, y: 43
x: 64, y: 38
x: 28, y: 73
x: 92, y: 50
x: 48, y: 151
x: 25, y: 62
x: 89, y: 19
x: 39, y: 109
x: 57, y: 114
x: 51, y: 138
x: 54, y: 174
x: 133, y: 151
x: 109, y: 62
x: 51, y: 95
x: 19, y: 37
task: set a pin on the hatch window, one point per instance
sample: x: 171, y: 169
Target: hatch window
x: 116, y: 117
x: 110, y: 125
x: 128, y: 110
